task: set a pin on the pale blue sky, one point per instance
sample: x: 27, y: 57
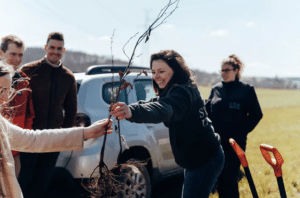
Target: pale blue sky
x: 265, y: 34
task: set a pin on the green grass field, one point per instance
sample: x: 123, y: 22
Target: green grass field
x: 280, y: 128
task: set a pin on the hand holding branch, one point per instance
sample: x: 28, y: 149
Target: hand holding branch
x: 106, y: 186
x: 121, y: 111
x: 97, y: 129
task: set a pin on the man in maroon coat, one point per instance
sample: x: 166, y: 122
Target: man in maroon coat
x: 54, y: 96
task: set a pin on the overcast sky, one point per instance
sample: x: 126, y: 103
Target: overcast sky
x: 265, y: 34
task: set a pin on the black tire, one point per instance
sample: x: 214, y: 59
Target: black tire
x: 137, y: 181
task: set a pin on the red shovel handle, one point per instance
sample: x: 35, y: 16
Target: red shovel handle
x: 240, y: 153
x: 275, y: 163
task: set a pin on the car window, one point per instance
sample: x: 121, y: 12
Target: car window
x: 144, y: 89
x: 109, y: 93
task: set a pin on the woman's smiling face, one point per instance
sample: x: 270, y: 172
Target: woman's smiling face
x: 228, y: 73
x: 161, y: 73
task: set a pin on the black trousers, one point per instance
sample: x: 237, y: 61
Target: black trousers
x: 228, y: 179
x: 36, y: 173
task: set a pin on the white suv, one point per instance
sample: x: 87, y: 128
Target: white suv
x: 144, y: 141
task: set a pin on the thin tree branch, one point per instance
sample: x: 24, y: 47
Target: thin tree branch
x: 111, y: 49
x: 105, y: 183
x: 159, y: 19
x: 127, y: 43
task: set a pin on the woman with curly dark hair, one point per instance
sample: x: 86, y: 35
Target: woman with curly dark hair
x: 180, y: 107
x: 234, y: 110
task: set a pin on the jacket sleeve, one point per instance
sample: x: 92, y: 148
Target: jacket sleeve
x: 49, y: 140
x: 254, y: 113
x: 171, y: 107
x: 27, y: 70
x: 148, y: 101
x: 70, y: 105
x: 208, y: 104
x: 29, y: 113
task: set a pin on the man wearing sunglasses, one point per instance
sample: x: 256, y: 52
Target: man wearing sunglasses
x: 20, y: 111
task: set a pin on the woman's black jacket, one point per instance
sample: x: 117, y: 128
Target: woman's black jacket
x: 192, y: 137
x: 234, y: 110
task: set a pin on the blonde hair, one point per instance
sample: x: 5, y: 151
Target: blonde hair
x: 6, y: 69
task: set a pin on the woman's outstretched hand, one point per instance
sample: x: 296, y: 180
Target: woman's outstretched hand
x: 97, y: 129
x: 120, y: 111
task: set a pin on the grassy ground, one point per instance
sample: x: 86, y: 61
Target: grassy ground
x: 280, y: 128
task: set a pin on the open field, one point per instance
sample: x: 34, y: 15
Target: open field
x: 280, y: 128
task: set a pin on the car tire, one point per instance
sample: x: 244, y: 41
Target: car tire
x: 136, y: 180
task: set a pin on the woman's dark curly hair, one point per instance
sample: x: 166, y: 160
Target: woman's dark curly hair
x: 176, y: 62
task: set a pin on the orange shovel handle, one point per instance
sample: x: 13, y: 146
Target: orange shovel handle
x: 240, y: 153
x: 275, y: 163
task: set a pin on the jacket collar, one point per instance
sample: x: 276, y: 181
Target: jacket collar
x: 19, y: 76
x: 16, y: 78
x: 231, y: 83
x: 53, y: 65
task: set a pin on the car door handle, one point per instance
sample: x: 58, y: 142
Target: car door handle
x: 150, y: 126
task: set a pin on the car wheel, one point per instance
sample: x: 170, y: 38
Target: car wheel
x: 136, y: 180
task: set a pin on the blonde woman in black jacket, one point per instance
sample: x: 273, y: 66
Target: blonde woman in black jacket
x: 180, y: 107
x: 234, y: 110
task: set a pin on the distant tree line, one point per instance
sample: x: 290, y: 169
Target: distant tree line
x: 73, y: 60
x: 80, y: 61
x: 208, y: 79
